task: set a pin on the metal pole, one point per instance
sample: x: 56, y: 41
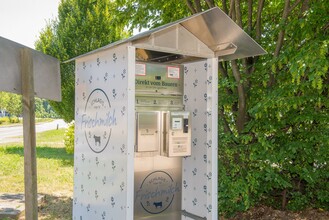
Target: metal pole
x: 30, y: 163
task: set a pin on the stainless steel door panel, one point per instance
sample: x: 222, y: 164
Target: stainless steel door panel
x: 148, y: 136
x: 158, y: 188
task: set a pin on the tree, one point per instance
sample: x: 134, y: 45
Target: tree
x: 43, y: 109
x: 273, y: 109
x: 4, y: 98
x: 143, y: 14
x: 11, y: 103
x: 82, y: 25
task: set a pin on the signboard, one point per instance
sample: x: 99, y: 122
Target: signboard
x: 159, y: 79
x: 29, y: 73
x: 47, y: 82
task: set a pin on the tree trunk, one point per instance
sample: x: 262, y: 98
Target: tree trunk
x: 284, y: 199
x: 242, y: 107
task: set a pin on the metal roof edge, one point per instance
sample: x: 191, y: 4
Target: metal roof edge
x: 212, y: 27
x: 140, y: 35
x: 98, y: 50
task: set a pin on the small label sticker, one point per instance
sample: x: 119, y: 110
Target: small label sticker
x: 179, y: 148
x: 140, y: 69
x: 177, y: 123
x: 184, y: 114
x: 173, y: 72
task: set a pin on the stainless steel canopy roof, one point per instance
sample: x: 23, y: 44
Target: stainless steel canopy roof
x: 207, y: 34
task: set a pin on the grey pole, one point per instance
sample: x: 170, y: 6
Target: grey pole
x: 30, y: 163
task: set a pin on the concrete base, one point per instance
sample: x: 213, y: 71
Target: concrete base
x: 12, y: 205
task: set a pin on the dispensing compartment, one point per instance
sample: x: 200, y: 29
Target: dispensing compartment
x: 177, y: 134
x: 147, y: 131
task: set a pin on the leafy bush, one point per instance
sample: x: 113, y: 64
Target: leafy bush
x: 4, y: 120
x: 278, y: 155
x: 298, y: 201
x: 268, y: 173
x: 14, y: 120
x: 69, y: 138
x: 9, y: 120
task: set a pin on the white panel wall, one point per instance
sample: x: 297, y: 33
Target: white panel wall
x: 101, y: 136
x: 200, y: 170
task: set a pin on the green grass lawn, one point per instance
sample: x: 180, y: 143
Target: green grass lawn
x: 54, y: 165
x: 54, y: 171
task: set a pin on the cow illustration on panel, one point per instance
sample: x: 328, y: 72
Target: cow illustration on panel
x: 157, y: 204
x: 97, y: 140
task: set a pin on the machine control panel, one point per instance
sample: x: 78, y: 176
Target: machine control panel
x: 178, y: 134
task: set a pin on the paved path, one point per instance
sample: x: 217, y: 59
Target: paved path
x: 12, y: 205
x: 7, y: 133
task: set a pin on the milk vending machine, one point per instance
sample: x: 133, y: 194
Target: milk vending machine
x: 163, y: 137
x: 146, y: 121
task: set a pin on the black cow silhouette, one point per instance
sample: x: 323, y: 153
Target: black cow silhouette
x: 157, y: 204
x: 97, y: 140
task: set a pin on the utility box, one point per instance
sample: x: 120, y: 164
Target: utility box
x: 146, y: 121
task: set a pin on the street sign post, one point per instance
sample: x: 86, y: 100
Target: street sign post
x: 29, y: 73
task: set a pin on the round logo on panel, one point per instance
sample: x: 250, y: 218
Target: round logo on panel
x: 157, y: 192
x: 97, y: 120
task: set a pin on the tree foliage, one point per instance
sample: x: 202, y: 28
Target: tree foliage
x: 4, y: 98
x: 43, y: 109
x: 81, y: 26
x: 69, y: 138
x: 12, y: 104
x: 142, y: 14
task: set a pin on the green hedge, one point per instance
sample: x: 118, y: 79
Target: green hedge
x: 69, y: 138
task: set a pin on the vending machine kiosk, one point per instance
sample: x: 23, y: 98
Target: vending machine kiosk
x: 146, y: 121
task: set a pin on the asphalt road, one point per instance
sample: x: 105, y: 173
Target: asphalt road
x: 7, y: 133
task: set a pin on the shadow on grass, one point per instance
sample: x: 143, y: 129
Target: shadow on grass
x: 55, y: 207
x: 44, y: 152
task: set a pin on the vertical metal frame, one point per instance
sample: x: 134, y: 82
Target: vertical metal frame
x: 131, y: 131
